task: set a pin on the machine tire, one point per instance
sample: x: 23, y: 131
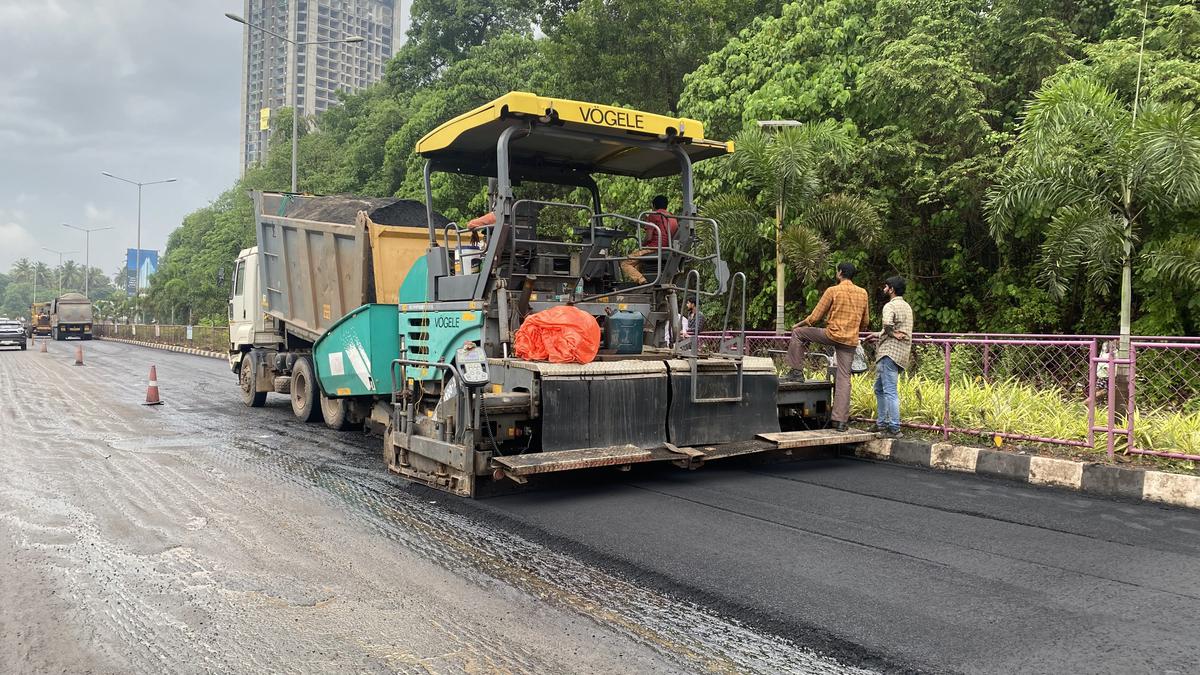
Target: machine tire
x: 336, y: 412
x: 252, y: 398
x: 305, y: 393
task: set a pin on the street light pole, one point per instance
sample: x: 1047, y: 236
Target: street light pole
x: 295, y: 76
x: 87, y: 253
x: 137, y: 279
x: 60, y: 255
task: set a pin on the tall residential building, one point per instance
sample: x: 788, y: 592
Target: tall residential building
x: 321, y: 69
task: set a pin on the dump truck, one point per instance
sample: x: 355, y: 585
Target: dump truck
x: 318, y: 259
x: 39, y: 319
x: 71, y: 315
x: 364, y: 316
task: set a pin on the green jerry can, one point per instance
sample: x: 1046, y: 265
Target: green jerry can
x: 623, y: 332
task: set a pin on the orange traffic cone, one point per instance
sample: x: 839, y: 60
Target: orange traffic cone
x: 79, y: 355
x: 152, y: 389
x: 44, y: 345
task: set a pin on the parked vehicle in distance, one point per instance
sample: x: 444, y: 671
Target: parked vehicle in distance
x: 39, y: 319
x: 70, y: 315
x: 12, y: 334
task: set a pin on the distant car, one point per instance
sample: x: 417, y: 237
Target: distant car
x: 12, y: 333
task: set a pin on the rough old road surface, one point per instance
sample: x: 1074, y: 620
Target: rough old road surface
x: 203, y: 536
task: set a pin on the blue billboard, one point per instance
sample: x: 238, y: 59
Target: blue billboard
x: 138, y: 278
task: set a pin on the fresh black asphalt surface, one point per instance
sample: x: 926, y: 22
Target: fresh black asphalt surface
x: 914, y: 568
x: 877, y: 565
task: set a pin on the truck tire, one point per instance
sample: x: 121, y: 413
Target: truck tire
x: 305, y: 392
x: 336, y: 412
x: 246, y: 381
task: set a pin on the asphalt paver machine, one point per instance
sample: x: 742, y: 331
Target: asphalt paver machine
x: 463, y: 409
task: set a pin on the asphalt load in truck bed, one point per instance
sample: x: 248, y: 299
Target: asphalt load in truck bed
x: 384, y: 211
x: 206, y: 536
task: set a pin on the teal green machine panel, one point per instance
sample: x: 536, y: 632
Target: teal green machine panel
x: 433, y: 335
x: 354, y: 357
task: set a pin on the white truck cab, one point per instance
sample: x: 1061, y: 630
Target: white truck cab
x: 246, y: 320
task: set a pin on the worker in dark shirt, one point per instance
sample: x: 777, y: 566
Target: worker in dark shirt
x: 664, y: 230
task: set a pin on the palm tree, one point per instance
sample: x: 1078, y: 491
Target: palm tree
x: 785, y: 172
x: 72, y: 275
x: 22, y: 269
x: 1096, y: 167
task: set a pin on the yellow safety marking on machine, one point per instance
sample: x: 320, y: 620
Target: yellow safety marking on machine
x: 325, y: 311
x: 622, y: 306
x: 533, y: 296
x: 343, y: 391
x: 472, y: 305
x: 604, y: 299
x: 468, y: 316
x: 403, y: 308
x: 496, y: 389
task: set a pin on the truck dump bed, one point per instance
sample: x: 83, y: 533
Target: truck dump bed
x: 322, y: 257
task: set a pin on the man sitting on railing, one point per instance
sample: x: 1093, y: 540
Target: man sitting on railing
x: 665, y: 224
x: 843, y: 307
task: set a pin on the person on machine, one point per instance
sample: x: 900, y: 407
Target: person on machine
x: 665, y: 226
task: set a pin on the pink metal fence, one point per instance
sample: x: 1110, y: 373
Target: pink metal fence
x: 1163, y: 384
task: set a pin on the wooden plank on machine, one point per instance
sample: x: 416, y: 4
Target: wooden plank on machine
x: 787, y: 440
x: 567, y: 460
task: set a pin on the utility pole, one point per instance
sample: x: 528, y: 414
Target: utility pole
x: 137, y: 273
x: 295, y: 74
x: 87, y: 255
x: 60, y: 255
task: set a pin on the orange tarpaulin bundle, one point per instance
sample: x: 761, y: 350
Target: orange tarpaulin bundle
x: 562, y: 334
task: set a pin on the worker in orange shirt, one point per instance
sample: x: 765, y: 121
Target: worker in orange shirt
x: 843, y: 308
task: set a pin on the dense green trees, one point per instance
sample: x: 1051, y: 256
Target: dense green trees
x: 17, y: 287
x: 931, y: 92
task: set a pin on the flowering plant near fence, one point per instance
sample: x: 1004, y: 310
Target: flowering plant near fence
x: 1042, y: 388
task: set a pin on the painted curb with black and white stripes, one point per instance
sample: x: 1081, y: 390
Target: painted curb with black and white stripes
x: 170, y: 348
x: 1090, y: 477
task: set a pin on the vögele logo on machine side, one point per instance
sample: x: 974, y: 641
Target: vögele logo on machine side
x: 613, y: 118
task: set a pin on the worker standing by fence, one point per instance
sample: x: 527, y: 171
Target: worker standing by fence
x: 892, y: 354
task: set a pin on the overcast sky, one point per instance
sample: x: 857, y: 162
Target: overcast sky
x: 147, y: 89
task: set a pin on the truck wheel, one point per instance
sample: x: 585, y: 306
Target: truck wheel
x: 246, y: 380
x: 305, y: 403
x: 336, y: 412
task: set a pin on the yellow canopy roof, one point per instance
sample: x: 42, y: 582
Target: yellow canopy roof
x: 568, y: 135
